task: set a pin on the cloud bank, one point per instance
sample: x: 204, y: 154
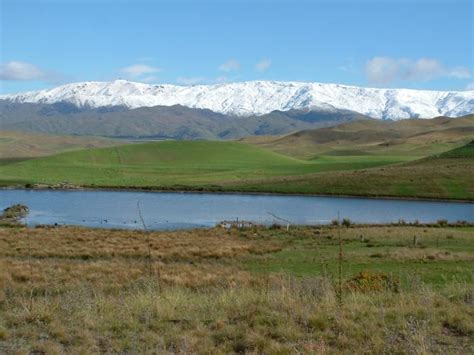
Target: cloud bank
x: 385, y: 70
x: 137, y: 70
x: 230, y: 65
x: 22, y: 71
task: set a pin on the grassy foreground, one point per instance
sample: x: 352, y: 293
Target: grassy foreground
x: 73, y: 290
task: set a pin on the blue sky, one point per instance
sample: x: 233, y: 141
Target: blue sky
x: 414, y: 44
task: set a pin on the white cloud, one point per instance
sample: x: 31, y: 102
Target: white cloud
x: 384, y: 70
x: 460, y: 73
x: 263, y: 65
x: 22, y: 71
x: 136, y: 70
x: 190, y: 81
x: 230, y: 65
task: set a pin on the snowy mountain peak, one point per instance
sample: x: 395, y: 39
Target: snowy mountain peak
x: 259, y: 97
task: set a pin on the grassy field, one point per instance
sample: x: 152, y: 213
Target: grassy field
x: 261, y: 290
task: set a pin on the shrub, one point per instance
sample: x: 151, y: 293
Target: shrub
x: 373, y: 281
x: 346, y: 222
x: 335, y: 222
x: 12, y: 215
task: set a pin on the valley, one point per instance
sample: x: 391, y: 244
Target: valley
x: 236, y: 177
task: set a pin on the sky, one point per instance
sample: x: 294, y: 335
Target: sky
x: 417, y: 44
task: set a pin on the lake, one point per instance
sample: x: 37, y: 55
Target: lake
x: 172, y: 210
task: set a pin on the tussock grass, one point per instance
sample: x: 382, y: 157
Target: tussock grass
x: 23, y: 145
x: 75, y: 290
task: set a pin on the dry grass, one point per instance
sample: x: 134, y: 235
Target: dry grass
x: 22, y: 145
x: 74, y: 290
x: 83, y: 243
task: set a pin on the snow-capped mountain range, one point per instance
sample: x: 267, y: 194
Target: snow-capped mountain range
x: 259, y: 97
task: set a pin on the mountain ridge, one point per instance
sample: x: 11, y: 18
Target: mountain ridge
x: 165, y: 122
x: 256, y: 98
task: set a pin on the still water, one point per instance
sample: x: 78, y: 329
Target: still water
x: 160, y: 210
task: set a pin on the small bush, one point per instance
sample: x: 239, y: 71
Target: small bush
x: 335, y: 222
x: 346, y: 222
x: 373, y: 281
x: 15, y: 211
x: 12, y: 215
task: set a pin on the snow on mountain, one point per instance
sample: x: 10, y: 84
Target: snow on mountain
x: 260, y: 97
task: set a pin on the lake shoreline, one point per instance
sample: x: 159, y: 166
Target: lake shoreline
x: 230, y: 192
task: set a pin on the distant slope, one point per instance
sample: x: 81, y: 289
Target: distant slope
x: 27, y: 145
x: 252, y: 98
x: 415, y: 138
x: 173, y: 122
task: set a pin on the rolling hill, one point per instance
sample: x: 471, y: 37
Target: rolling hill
x: 21, y: 145
x: 411, y: 138
x: 171, y: 163
x: 411, y: 158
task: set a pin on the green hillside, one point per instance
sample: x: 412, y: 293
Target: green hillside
x: 163, y: 164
